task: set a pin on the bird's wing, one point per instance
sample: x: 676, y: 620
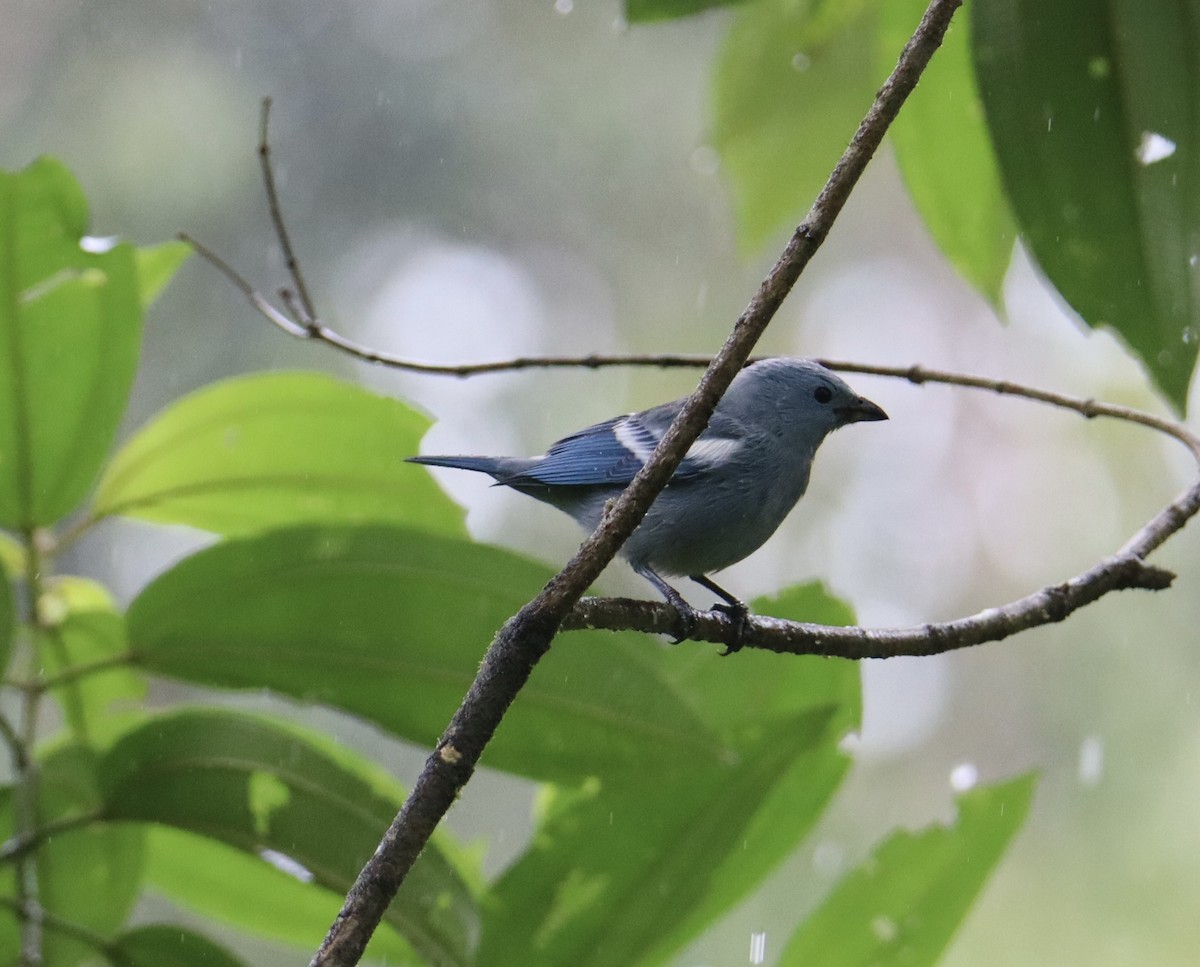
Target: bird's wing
x: 614, y: 451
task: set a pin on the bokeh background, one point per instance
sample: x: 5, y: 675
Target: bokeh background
x: 474, y: 181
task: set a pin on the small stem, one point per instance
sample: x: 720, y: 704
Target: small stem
x: 76, y: 672
x: 15, y: 749
x: 23, y: 844
x: 26, y: 794
x: 27, y: 912
x: 281, y: 232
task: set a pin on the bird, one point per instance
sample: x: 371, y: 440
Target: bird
x: 738, y: 481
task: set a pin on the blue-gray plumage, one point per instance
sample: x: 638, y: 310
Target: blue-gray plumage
x: 739, y: 480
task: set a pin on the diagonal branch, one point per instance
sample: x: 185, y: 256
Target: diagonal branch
x: 527, y: 635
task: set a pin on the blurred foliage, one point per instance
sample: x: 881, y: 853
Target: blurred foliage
x: 904, y: 903
x: 946, y: 157
x: 382, y: 620
x: 1092, y: 108
x: 1091, y: 130
x: 788, y: 90
x: 673, y: 783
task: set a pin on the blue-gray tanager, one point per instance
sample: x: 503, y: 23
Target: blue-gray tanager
x: 739, y: 480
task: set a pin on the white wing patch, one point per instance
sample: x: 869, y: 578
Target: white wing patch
x: 712, y: 451
x: 635, y: 438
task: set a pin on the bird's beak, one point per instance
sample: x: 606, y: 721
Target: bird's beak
x: 861, y: 410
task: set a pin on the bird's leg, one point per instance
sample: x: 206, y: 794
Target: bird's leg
x: 734, y: 607
x: 687, y: 614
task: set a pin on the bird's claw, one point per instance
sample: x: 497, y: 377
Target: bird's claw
x: 688, y: 617
x: 739, y: 619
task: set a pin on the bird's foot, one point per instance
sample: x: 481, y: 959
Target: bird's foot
x: 739, y: 620
x: 689, y: 618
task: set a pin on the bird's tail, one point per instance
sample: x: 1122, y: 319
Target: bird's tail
x: 489, y: 465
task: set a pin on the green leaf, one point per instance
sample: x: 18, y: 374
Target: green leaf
x: 81, y: 652
x: 260, y: 785
x: 390, y: 624
x: 790, y: 87
x: 629, y: 871
x: 648, y: 11
x: 8, y: 620
x: 163, y: 945
x: 945, y: 153
x: 225, y: 884
x: 742, y: 702
x: 624, y: 871
x: 10, y: 931
x: 1077, y: 92
x: 70, y: 328
x: 275, y: 449
x: 736, y: 696
x: 626, y: 874
x: 902, y: 906
x: 156, y: 265
x: 12, y: 556
x: 89, y: 876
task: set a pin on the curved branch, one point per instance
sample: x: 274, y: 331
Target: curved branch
x: 1049, y: 605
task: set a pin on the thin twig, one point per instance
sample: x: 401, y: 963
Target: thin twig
x: 525, y: 638
x: 1087, y: 407
x: 281, y: 232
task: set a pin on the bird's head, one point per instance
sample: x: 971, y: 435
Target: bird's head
x: 802, y: 393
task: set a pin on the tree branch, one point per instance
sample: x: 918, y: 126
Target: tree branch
x: 527, y: 635
x: 1049, y: 605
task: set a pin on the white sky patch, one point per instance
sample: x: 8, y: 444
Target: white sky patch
x: 98, y: 245
x: 964, y: 776
x: 1154, y: 147
x: 1091, y: 760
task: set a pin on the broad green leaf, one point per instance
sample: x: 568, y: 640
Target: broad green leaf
x: 737, y: 696
x: 260, y: 785
x: 156, y: 265
x: 1094, y: 109
x: 789, y: 92
x: 945, y: 153
x: 166, y: 945
x: 88, y: 876
x: 244, y: 891
x: 390, y: 624
x: 82, y: 652
x: 275, y: 449
x: 619, y: 874
x: 594, y: 871
x: 647, y: 11
x: 743, y: 702
x: 70, y: 329
x: 901, y: 907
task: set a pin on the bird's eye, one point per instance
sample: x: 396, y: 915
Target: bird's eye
x: 822, y: 394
